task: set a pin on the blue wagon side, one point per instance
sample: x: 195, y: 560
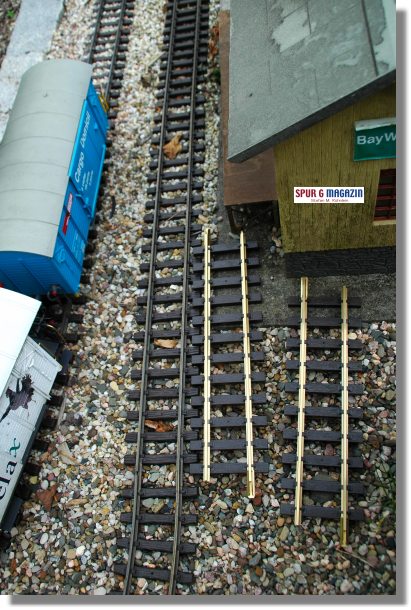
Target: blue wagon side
x: 51, y: 160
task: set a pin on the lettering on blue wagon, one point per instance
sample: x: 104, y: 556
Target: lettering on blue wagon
x: 80, y: 166
x: 85, y: 130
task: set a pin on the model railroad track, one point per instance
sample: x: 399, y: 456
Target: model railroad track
x: 108, y: 48
x: 320, y: 404
x: 163, y: 388
x: 107, y: 54
x: 227, y: 360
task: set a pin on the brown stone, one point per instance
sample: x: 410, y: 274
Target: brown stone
x: 373, y: 560
x: 258, y: 497
x: 374, y: 441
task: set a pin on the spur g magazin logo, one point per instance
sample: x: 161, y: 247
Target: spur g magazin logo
x: 328, y: 194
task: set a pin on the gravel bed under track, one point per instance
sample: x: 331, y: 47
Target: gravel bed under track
x: 244, y: 546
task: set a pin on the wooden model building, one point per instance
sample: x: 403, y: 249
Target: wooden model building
x: 313, y: 82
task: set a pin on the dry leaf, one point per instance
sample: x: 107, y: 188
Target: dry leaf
x: 172, y: 148
x: 46, y: 496
x: 163, y: 427
x: 168, y: 343
x: 158, y: 426
x: 150, y: 423
x: 65, y: 455
x: 213, y: 43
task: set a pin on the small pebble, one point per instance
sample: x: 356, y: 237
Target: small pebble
x: 44, y: 538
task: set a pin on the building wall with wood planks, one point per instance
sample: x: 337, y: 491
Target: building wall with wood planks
x: 322, y: 155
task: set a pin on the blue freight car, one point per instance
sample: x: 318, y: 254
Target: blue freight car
x: 51, y: 159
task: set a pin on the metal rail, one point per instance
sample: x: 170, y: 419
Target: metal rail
x: 135, y: 524
x: 102, y: 9
x: 342, y: 413
x: 301, y: 403
x: 344, y: 418
x: 210, y: 293
x: 184, y: 312
x: 96, y: 31
x: 247, y: 370
x: 207, y: 354
x: 115, y: 51
x: 180, y: 75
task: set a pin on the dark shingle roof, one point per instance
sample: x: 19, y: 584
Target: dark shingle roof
x: 295, y: 62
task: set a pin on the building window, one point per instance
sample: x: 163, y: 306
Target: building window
x: 386, y: 196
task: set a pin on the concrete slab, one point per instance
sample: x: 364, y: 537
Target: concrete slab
x: 31, y: 39
x: 295, y: 62
x: 252, y: 181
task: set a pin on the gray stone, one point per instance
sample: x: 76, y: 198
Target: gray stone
x: 284, y: 533
x: 255, y: 559
x: 281, y: 334
x: 76, y: 578
x: 390, y: 395
x: 255, y: 578
x: 378, y: 335
x: 363, y: 550
x: 346, y: 586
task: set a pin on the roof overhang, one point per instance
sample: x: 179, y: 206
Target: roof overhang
x: 296, y: 62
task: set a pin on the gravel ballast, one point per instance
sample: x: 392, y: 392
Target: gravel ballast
x: 244, y: 546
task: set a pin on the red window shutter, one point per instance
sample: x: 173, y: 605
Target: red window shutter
x: 385, y: 204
